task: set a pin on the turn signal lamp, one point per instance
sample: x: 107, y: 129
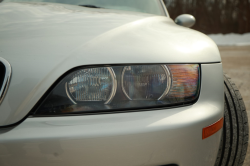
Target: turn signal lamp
x: 212, y: 129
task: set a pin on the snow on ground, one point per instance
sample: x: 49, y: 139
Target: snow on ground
x: 231, y: 39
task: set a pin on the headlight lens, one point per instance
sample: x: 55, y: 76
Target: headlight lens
x: 117, y: 88
x: 146, y: 82
x: 94, y: 84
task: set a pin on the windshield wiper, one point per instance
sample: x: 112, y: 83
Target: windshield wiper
x: 90, y: 6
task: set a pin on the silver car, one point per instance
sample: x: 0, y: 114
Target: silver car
x: 113, y: 83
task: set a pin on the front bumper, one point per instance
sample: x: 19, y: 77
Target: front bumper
x: 149, y: 138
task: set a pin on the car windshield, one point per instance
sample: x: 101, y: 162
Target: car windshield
x: 144, y: 6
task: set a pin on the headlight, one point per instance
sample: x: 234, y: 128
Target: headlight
x: 115, y: 88
x: 146, y: 82
x: 94, y: 84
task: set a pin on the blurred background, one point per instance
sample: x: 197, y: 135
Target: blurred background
x: 214, y: 16
x: 227, y: 22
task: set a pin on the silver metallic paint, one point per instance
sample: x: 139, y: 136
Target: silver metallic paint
x: 6, y: 80
x: 42, y: 41
x: 149, y: 138
x: 185, y: 20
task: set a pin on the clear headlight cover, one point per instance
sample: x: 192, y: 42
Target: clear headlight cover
x: 116, y: 88
x: 146, y: 82
x: 94, y: 84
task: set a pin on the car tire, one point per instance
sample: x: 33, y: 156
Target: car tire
x: 234, y: 140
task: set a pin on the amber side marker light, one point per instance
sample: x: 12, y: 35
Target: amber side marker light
x: 212, y: 129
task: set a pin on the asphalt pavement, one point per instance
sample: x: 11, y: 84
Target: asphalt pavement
x: 236, y: 63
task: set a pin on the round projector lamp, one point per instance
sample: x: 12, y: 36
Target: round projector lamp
x: 92, y: 84
x: 146, y: 82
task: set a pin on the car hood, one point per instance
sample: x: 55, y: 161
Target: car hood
x: 42, y: 41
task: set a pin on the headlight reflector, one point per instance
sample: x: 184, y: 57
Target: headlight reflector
x: 94, y: 84
x: 146, y: 82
